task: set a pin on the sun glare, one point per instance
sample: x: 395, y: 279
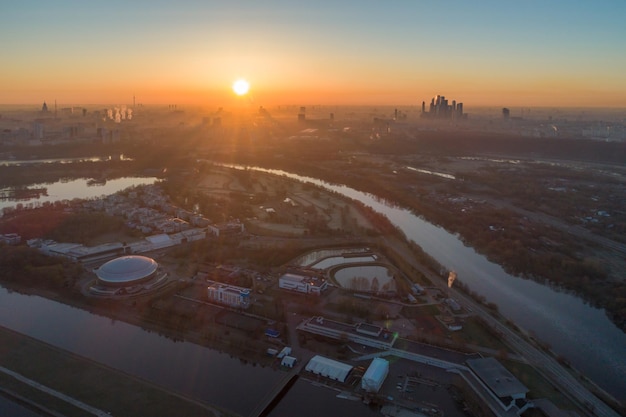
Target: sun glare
x: 241, y: 87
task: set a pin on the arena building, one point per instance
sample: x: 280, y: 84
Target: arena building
x: 126, y: 271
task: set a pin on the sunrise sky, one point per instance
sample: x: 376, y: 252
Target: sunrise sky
x: 528, y: 53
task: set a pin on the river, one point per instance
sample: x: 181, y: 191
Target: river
x: 582, y: 334
x: 74, y: 188
x: 205, y: 374
x: 579, y: 332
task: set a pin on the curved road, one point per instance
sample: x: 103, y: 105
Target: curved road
x: 546, y: 364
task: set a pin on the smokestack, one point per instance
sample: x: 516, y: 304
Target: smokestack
x: 451, y: 278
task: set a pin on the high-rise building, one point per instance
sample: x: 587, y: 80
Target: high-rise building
x: 441, y: 109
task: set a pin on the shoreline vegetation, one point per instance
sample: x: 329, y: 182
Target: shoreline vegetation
x: 540, y: 252
x: 143, y: 313
x: 524, y: 246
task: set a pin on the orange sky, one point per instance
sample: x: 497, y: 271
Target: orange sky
x: 559, y: 54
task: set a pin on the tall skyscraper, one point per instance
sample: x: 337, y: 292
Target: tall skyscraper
x: 441, y: 109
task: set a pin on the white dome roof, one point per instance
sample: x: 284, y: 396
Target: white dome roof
x: 127, y: 269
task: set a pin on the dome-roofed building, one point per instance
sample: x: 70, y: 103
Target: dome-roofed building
x: 126, y: 271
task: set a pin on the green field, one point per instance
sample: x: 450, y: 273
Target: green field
x: 539, y: 387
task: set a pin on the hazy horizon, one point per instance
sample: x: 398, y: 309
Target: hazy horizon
x: 560, y: 54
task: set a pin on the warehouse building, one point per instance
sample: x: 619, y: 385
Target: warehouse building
x: 329, y: 368
x: 375, y: 375
x: 502, y: 383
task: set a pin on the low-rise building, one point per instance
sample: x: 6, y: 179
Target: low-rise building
x: 229, y: 295
x: 375, y: 375
x: 361, y: 333
x: 302, y: 283
x: 11, y: 238
x: 329, y: 368
x: 509, y: 391
x: 224, y: 229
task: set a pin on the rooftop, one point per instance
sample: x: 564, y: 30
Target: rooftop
x: 502, y: 382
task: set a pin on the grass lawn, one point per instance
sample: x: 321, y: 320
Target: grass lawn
x: 475, y: 333
x: 539, y: 387
x: 427, y: 310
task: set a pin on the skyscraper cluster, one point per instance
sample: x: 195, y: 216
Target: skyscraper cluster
x: 439, y: 108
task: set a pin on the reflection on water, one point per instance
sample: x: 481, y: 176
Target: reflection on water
x: 435, y: 173
x: 582, y: 334
x: 341, y: 260
x: 312, y: 257
x: 204, y: 374
x: 368, y: 278
x: 18, y: 162
x: 70, y: 189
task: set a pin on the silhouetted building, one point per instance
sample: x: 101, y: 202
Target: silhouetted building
x: 44, y: 108
x: 440, y: 109
x: 302, y: 114
x: 506, y: 113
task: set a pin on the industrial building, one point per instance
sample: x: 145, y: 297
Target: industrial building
x: 502, y: 383
x: 229, y: 295
x: 89, y: 254
x: 362, y: 333
x: 302, y: 283
x: 126, y: 271
x: 375, y: 375
x: 329, y: 368
x: 226, y: 229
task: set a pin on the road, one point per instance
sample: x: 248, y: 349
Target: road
x: 552, y: 370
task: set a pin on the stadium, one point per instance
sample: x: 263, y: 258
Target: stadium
x: 126, y: 271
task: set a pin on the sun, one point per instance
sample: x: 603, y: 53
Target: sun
x: 241, y: 87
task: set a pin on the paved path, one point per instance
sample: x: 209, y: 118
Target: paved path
x: 57, y: 394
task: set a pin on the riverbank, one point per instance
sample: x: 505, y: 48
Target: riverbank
x: 537, y: 235
x: 87, y: 381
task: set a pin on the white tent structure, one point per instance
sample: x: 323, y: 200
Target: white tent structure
x: 375, y: 375
x: 328, y: 368
x: 288, y: 361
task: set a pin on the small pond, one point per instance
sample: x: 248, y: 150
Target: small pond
x: 367, y: 278
x: 342, y: 260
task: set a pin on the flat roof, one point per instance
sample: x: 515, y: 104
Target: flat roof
x: 502, y: 382
x: 293, y: 277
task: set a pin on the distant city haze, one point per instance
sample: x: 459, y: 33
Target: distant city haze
x: 566, y: 54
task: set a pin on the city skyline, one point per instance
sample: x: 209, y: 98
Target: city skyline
x: 353, y: 53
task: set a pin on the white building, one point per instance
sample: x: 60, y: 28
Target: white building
x: 375, y: 375
x: 288, y: 361
x: 11, y: 238
x: 328, y: 368
x: 229, y: 295
x: 303, y: 284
